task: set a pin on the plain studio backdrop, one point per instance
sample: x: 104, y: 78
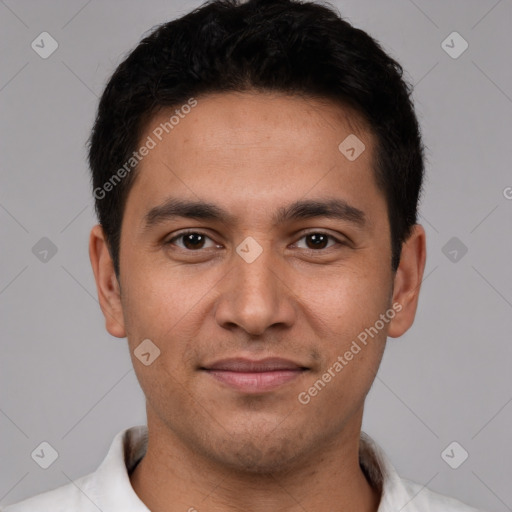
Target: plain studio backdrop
x: 67, y: 382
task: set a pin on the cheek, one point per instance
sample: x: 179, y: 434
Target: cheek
x: 351, y: 354
x: 346, y: 388
x: 345, y: 313
x: 160, y: 309
x: 168, y: 306
x: 345, y: 301
x: 158, y: 297
x: 167, y: 391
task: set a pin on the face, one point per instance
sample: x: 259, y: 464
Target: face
x: 256, y: 256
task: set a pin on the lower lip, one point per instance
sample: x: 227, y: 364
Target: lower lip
x: 253, y: 382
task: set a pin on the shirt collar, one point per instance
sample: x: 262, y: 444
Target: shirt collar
x: 383, y: 476
x: 112, y: 479
x: 115, y: 492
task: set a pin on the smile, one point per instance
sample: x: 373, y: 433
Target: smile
x: 251, y: 376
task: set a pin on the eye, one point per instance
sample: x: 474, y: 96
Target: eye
x: 195, y: 240
x: 192, y: 240
x: 318, y: 240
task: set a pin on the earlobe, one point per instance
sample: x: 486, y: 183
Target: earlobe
x: 407, y: 283
x: 109, y: 294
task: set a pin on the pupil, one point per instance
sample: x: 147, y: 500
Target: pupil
x: 318, y: 240
x: 195, y: 239
x: 189, y: 239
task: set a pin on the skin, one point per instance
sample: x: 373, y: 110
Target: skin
x: 212, y: 447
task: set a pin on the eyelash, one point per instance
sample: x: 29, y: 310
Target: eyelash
x: 185, y: 233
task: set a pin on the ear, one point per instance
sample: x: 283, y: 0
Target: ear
x: 407, y: 281
x: 109, y: 294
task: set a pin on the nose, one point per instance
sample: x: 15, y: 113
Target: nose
x: 255, y: 296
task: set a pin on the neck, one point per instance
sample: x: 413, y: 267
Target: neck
x: 171, y: 478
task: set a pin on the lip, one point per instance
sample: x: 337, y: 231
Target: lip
x: 255, y: 376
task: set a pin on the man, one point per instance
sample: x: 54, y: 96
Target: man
x: 256, y: 168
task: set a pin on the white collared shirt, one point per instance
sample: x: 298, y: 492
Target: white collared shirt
x: 108, y: 489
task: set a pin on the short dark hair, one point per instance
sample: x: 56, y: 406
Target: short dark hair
x: 289, y: 46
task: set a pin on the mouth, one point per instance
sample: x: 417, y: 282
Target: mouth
x: 253, y: 376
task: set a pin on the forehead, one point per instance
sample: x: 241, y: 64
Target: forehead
x: 244, y: 146
x: 252, y: 118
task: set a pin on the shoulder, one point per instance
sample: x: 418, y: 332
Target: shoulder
x: 399, y: 493
x: 73, y: 496
x: 108, y: 488
x: 424, y: 499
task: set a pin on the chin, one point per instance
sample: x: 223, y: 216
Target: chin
x: 256, y: 454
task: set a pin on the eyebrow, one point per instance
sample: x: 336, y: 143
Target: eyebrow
x: 299, y: 210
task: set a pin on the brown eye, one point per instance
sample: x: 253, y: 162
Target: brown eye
x: 191, y: 241
x: 318, y: 241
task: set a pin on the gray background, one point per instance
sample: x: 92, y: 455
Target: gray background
x: 66, y: 381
